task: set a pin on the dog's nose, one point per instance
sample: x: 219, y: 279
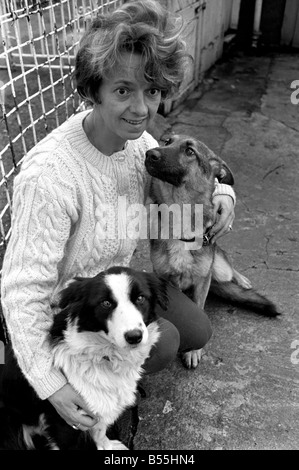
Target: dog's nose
x: 153, y: 155
x: 133, y: 336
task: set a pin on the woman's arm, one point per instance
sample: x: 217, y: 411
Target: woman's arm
x: 40, y: 230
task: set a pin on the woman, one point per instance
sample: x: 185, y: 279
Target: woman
x: 128, y: 61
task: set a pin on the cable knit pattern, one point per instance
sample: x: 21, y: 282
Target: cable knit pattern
x: 65, y: 204
x: 224, y: 189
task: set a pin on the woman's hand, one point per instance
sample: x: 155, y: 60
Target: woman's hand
x: 224, y: 215
x: 72, y: 408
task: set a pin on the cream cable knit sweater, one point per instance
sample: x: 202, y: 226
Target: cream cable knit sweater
x: 59, y: 226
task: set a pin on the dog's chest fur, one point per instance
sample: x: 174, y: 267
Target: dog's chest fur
x: 172, y: 257
x: 105, y: 377
x: 183, y: 267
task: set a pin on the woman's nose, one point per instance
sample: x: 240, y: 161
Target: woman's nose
x: 138, y: 104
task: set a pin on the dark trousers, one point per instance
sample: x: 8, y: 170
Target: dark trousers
x: 183, y: 326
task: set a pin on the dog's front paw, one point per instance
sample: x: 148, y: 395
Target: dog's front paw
x: 117, y: 445
x: 191, y: 359
x: 104, y: 444
x: 107, y: 444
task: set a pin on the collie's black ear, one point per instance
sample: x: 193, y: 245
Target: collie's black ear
x: 158, y: 288
x: 71, y: 296
x: 72, y: 293
x: 221, y: 171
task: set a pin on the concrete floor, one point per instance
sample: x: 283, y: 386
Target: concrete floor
x: 244, y: 394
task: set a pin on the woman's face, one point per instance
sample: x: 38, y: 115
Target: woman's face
x: 127, y: 103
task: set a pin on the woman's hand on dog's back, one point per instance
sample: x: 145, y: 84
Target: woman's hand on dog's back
x: 72, y: 408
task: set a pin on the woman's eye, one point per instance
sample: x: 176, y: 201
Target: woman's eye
x: 189, y: 152
x: 106, y: 304
x: 140, y: 299
x: 122, y: 91
x: 154, y: 91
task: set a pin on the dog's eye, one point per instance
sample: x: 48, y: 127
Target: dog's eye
x: 140, y: 299
x: 106, y: 304
x: 167, y: 142
x: 189, y: 152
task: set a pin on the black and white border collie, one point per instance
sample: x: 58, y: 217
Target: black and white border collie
x: 102, y: 334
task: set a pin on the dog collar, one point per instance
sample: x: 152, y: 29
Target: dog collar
x: 205, y: 240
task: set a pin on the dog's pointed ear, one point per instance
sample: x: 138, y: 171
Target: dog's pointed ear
x: 221, y: 171
x: 158, y: 288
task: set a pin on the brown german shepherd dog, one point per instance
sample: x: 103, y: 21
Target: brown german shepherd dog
x: 184, y: 172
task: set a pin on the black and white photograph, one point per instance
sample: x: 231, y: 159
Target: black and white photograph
x: 149, y: 227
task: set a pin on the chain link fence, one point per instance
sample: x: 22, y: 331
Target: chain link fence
x: 37, y: 48
x: 38, y: 41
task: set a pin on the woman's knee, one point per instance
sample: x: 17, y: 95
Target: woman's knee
x: 190, y: 320
x: 165, y: 350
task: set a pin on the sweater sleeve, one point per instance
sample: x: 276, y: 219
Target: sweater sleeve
x: 41, y: 226
x: 224, y: 189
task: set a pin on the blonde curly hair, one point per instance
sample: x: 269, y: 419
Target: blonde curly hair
x: 143, y: 27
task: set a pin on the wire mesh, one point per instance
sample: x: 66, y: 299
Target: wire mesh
x: 38, y: 41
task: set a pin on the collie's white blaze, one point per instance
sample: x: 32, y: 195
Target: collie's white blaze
x: 125, y: 317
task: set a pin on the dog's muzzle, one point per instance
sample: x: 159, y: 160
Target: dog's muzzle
x: 161, y: 166
x: 153, y: 155
x: 152, y: 158
x: 134, y: 336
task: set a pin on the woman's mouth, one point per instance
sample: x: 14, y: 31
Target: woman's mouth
x: 134, y: 122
